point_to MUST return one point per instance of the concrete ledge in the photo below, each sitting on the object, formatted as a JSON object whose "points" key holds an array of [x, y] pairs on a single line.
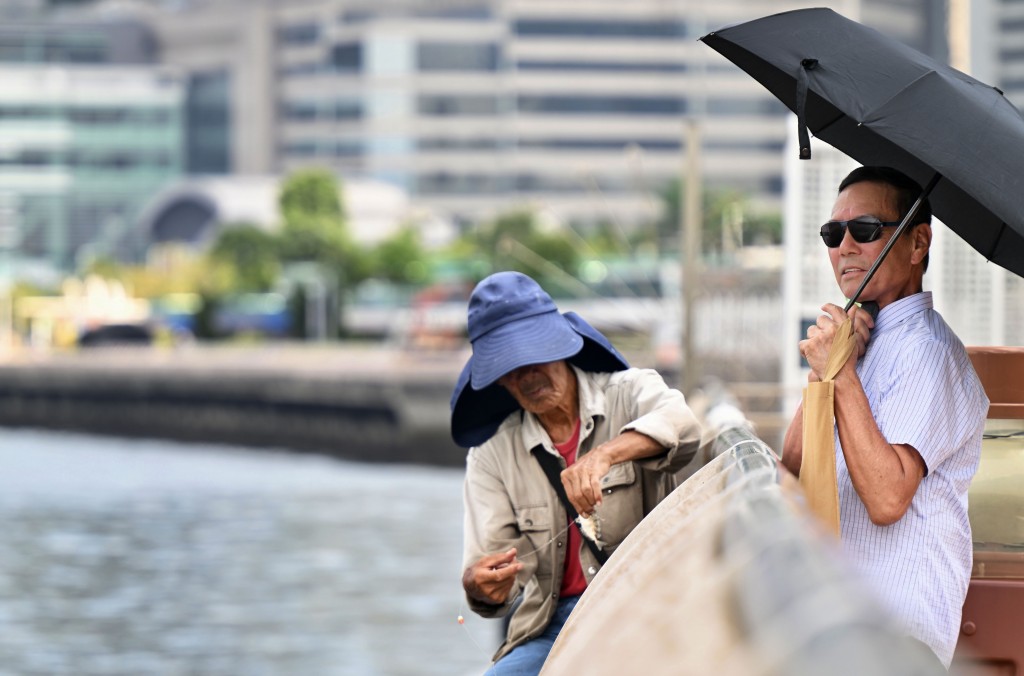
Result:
{"points": [[355, 405]]}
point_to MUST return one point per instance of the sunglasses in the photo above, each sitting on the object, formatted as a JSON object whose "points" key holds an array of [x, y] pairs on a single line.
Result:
{"points": [[864, 229]]}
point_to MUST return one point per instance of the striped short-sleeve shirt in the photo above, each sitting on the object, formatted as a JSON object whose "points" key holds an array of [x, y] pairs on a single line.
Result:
{"points": [[923, 392]]}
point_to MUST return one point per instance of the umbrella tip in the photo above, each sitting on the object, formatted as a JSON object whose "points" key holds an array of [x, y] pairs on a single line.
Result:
{"points": [[805, 153]]}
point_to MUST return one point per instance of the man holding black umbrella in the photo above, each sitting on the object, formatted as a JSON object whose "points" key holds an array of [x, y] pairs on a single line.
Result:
{"points": [[909, 411]]}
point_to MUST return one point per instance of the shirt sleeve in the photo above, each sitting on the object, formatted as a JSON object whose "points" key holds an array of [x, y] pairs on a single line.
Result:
{"points": [[489, 522], [662, 414]]}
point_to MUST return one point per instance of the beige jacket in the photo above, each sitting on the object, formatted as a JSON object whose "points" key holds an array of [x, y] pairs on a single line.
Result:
{"points": [[509, 502]]}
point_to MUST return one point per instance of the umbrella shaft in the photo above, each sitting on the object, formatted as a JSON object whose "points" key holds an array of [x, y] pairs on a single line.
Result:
{"points": [[892, 240]]}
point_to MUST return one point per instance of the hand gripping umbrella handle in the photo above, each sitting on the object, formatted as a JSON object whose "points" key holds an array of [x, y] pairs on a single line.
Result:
{"points": [[892, 240]]}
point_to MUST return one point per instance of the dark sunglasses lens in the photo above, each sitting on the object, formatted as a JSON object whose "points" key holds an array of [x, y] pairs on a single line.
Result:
{"points": [[832, 233], [865, 231]]}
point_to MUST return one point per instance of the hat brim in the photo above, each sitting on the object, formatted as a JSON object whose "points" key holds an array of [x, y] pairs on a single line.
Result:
{"points": [[477, 413], [539, 339]]}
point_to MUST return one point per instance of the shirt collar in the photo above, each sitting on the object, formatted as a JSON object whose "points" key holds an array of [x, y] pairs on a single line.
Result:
{"points": [[899, 311], [592, 405]]}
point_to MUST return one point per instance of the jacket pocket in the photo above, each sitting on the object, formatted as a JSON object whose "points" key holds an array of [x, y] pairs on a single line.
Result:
{"points": [[622, 474], [534, 524], [621, 504], [533, 519]]}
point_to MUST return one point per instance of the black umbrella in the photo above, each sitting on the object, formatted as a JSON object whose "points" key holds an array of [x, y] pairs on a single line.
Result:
{"points": [[883, 103]]}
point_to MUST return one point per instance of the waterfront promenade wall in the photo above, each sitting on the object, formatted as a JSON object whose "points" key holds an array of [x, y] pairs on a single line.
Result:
{"points": [[369, 404]]}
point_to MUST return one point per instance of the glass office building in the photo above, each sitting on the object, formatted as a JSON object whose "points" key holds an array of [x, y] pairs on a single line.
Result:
{"points": [[90, 130], [575, 107], [82, 148]]}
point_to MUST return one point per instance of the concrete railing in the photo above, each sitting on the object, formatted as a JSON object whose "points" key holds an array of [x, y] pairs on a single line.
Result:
{"points": [[731, 575]]}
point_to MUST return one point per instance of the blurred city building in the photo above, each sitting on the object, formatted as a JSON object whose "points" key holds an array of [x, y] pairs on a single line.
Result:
{"points": [[82, 148], [193, 209], [987, 41], [477, 106], [90, 128]]}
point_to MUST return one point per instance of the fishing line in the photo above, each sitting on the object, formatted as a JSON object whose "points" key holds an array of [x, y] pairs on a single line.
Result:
{"points": [[462, 619]]}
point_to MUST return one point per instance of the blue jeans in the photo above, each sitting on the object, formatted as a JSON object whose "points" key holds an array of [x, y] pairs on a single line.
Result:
{"points": [[528, 658]]}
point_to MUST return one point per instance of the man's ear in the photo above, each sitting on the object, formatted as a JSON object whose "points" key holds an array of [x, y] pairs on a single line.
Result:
{"points": [[921, 241]]}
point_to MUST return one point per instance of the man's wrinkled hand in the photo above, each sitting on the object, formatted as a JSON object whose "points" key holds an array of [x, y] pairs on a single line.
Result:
{"points": [[816, 347], [491, 578], [582, 481]]}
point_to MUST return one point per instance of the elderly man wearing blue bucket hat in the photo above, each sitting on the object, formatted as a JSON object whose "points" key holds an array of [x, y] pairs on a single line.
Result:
{"points": [[560, 430]]}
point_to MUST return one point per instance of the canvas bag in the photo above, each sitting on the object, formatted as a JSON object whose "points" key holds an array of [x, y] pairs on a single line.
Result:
{"points": [[818, 465]]}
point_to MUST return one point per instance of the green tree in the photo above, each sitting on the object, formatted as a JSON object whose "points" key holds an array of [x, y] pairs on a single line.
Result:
{"points": [[720, 209], [252, 255], [315, 229], [401, 257], [311, 193], [515, 241]]}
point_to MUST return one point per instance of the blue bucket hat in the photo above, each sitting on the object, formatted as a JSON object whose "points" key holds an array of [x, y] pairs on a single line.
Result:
{"points": [[512, 323]]}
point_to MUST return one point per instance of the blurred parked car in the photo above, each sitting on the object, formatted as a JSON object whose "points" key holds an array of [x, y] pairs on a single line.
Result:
{"points": [[116, 334]]}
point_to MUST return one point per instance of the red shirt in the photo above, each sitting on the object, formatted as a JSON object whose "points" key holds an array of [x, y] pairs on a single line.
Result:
{"points": [[573, 581]]}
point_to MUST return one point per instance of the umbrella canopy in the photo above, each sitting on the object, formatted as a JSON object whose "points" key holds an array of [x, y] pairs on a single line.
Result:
{"points": [[883, 103]]}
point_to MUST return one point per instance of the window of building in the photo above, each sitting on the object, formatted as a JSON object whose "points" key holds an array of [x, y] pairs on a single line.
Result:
{"points": [[603, 66], [744, 146], [306, 148], [346, 109], [568, 184], [599, 144], [457, 56], [208, 123], [32, 47], [448, 143], [451, 105], [26, 113], [302, 69], [603, 105], [301, 149], [299, 34], [460, 12], [460, 184], [1011, 55], [75, 49], [757, 106], [348, 149], [98, 116], [668, 28], [300, 111], [1011, 25], [347, 57]]}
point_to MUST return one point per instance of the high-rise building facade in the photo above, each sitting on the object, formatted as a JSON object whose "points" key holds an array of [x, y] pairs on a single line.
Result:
{"points": [[90, 129], [575, 107], [82, 148]]}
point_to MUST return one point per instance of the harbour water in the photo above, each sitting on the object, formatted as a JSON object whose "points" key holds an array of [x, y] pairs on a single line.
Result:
{"points": [[152, 557]]}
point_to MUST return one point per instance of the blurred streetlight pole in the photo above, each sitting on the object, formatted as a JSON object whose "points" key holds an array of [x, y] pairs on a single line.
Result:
{"points": [[690, 244]]}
